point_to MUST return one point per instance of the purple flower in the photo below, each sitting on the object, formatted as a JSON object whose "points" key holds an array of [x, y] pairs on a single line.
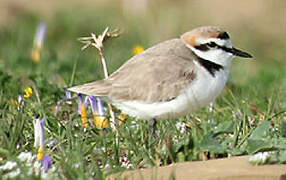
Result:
{"points": [[96, 105], [47, 163], [21, 99], [81, 103], [68, 94], [98, 112], [40, 35], [100, 107], [20, 102], [39, 132], [42, 131], [93, 104]]}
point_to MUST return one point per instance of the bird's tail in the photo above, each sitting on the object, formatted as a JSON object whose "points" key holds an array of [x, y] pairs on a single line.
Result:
{"points": [[96, 88]]}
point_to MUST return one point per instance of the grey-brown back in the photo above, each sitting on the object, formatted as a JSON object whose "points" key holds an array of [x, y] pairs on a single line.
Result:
{"points": [[156, 75]]}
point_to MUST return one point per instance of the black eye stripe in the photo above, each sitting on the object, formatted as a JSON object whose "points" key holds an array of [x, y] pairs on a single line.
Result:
{"points": [[202, 47], [210, 45], [206, 46]]}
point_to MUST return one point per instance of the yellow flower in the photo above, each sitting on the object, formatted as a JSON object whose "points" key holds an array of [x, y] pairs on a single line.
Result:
{"points": [[35, 55], [82, 110], [98, 112], [100, 122], [40, 154], [122, 119], [105, 123], [28, 92], [137, 49], [84, 117]]}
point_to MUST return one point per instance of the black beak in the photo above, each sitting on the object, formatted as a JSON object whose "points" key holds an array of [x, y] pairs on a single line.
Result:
{"points": [[240, 53]]}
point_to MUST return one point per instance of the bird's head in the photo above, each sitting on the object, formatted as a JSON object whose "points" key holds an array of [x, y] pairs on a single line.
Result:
{"points": [[213, 44]]}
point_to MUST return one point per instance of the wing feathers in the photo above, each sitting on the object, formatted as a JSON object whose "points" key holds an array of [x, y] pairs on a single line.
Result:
{"points": [[158, 74]]}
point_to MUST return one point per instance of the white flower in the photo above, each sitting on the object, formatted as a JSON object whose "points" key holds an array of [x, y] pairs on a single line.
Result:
{"points": [[26, 157], [49, 174], [8, 166], [43, 168], [37, 167], [77, 165], [125, 162], [181, 127], [12, 174]]}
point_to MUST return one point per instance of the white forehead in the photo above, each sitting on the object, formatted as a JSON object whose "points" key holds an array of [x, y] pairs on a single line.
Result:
{"points": [[220, 42]]}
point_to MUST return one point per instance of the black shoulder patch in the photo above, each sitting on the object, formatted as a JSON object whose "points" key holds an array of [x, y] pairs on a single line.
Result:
{"points": [[210, 66], [223, 35]]}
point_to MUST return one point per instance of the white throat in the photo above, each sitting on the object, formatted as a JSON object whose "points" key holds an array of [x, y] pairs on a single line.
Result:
{"points": [[216, 55]]}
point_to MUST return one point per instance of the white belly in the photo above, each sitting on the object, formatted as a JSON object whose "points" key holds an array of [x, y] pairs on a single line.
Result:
{"points": [[202, 91]]}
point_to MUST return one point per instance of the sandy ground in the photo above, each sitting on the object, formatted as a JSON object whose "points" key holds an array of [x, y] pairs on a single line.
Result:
{"points": [[223, 169]]}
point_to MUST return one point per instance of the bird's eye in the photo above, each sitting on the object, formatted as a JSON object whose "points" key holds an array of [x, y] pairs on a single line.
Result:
{"points": [[211, 44], [206, 46]]}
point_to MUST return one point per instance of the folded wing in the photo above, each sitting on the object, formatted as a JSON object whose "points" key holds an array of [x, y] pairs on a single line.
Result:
{"points": [[158, 74]]}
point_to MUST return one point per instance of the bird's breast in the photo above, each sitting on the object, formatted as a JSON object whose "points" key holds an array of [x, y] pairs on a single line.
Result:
{"points": [[206, 87]]}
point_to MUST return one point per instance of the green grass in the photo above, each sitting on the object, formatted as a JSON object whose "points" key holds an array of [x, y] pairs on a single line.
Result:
{"points": [[248, 117]]}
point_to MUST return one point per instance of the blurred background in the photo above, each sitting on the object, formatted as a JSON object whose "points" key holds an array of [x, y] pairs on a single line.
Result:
{"points": [[256, 26]]}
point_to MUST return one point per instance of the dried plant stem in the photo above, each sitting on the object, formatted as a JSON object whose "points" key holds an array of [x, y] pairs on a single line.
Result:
{"points": [[97, 42], [106, 74], [112, 120], [103, 61]]}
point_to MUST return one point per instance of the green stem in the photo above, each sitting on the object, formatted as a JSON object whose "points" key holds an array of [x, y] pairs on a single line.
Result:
{"points": [[73, 72]]}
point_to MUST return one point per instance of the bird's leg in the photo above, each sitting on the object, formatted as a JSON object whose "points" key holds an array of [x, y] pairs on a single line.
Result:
{"points": [[211, 106], [153, 126]]}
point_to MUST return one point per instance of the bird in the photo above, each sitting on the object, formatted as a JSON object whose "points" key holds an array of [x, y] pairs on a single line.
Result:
{"points": [[170, 79]]}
